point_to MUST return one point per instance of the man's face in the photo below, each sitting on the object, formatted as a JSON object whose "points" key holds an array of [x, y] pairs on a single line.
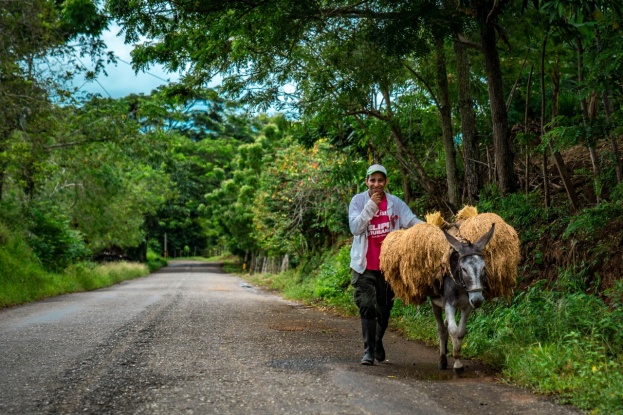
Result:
{"points": [[376, 183]]}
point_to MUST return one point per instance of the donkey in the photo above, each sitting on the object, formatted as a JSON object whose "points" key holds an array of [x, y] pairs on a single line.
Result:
{"points": [[461, 289]]}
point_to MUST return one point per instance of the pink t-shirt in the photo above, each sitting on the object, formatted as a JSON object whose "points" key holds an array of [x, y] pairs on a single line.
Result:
{"points": [[378, 228]]}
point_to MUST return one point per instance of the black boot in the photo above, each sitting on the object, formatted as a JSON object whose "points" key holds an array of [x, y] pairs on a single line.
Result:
{"points": [[368, 329], [379, 350]]}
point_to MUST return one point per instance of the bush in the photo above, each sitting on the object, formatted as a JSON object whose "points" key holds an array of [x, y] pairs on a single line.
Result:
{"points": [[332, 280], [22, 278], [52, 239], [155, 261]]}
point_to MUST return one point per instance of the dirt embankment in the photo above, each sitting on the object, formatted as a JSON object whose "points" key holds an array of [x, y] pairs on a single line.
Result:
{"points": [[598, 246]]}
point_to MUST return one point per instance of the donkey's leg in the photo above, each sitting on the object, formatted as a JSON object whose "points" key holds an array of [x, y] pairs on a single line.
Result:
{"points": [[453, 330], [442, 333], [457, 333]]}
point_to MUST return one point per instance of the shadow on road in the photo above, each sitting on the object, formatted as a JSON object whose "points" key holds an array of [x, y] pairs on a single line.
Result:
{"points": [[175, 267]]}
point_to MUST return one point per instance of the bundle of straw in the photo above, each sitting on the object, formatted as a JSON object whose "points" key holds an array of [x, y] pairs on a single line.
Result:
{"points": [[411, 260], [502, 253]]}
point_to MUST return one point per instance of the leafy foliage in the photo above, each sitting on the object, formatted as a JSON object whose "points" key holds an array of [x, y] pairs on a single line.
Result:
{"points": [[333, 279], [589, 223], [53, 240], [302, 202], [568, 344]]}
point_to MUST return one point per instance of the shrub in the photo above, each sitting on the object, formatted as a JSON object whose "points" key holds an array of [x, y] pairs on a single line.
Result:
{"points": [[333, 277], [155, 261], [52, 239]]}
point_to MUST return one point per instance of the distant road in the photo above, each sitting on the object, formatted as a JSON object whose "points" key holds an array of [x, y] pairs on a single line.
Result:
{"points": [[191, 339]]}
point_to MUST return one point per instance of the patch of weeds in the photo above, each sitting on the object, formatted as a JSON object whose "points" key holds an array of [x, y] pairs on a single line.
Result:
{"points": [[567, 343], [589, 223], [415, 322], [524, 215], [574, 279]]}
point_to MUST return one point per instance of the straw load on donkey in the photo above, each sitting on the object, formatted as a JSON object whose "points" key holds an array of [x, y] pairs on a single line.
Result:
{"points": [[456, 265]]}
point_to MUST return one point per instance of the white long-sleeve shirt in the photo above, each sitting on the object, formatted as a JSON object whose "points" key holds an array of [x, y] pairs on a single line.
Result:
{"points": [[361, 210]]}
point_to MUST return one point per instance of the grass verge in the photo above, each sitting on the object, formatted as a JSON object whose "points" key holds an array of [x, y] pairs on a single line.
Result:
{"points": [[30, 282]]}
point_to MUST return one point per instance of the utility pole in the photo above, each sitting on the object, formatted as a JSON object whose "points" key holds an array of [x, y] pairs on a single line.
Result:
{"points": [[165, 246]]}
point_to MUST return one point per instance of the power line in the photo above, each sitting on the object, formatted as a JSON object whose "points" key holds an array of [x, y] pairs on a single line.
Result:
{"points": [[102, 86], [95, 79], [147, 72]]}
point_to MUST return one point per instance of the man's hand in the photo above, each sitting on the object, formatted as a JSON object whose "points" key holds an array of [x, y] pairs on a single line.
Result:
{"points": [[377, 197]]}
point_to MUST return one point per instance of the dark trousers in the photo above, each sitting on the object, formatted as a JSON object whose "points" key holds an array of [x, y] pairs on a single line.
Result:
{"points": [[373, 296]]}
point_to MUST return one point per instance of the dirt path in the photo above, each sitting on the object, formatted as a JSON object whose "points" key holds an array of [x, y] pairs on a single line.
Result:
{"points": [[190, 339]]}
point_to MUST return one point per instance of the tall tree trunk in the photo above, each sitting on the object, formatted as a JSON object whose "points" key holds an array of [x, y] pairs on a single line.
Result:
{"points": [[504, 157], [471, 155], [546, 196], [586, 116], [558, 160], [592, 150], [608, 110], [580, 52], [406, 186], [445, 112], [525, 130]]}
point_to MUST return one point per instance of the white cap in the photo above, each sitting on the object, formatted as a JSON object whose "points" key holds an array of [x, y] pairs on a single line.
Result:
{"points": [[376, 168]]}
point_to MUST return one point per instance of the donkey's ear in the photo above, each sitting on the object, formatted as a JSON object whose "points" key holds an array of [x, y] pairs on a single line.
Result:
{"points": [[484, 239], [452, 241]]}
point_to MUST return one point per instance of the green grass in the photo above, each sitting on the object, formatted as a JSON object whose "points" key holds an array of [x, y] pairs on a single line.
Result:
{"points": [[569, 344], [30, 282], [415, 322], [24, 279]]}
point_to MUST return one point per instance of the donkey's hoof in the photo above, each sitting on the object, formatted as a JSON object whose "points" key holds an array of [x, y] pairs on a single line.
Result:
{"points": [[443, 363], [459, 370]]}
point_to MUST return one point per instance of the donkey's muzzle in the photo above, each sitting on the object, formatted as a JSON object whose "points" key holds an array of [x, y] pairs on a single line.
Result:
{"points": [[476, 299]]}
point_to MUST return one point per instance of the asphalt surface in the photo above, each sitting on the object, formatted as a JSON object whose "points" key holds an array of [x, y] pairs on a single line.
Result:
{"points": [[190, 339]]}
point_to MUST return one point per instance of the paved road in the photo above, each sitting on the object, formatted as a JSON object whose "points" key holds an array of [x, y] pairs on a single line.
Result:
{"points": [[192, 340]]}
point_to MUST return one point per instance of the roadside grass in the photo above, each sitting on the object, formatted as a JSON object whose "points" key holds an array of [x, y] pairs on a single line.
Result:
{"points": [[30, 282], [556, 342], [326, 287], [23, 278]]}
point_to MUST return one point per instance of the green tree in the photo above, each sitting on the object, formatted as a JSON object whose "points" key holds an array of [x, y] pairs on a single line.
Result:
{"points": [[33, 34]]}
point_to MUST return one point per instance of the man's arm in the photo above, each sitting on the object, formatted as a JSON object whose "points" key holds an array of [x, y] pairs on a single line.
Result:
{"points": [[360, 213]]}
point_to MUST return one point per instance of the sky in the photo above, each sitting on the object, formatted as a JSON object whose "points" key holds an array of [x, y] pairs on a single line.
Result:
{"points": [[121, 80]]}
